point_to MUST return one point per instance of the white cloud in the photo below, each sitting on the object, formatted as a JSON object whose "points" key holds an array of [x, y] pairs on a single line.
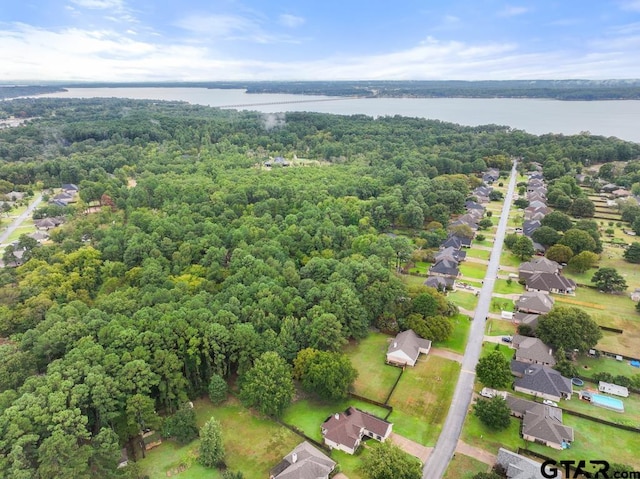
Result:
{"points": [[630, 5], [291, 21], [512, 11], [99, 4]]}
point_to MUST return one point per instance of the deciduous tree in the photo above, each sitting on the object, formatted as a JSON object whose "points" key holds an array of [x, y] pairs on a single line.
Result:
{"points": [[493, 370], [609, 280], [268, 385], [494, 412], [583, 261], [569, 328], [388, 461]]}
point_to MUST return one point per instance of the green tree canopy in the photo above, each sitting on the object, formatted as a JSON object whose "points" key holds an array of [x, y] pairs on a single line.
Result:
{"points": [[545, 235], [329, 375], [493, 370], [569, 328], [523, 248], [388, 461], [559, 253], [582, 208], [578, 240], [609, 280], [211, 447], [583, 261], [494, 412], [557, 220], [632, 253], [268, 385], [217, 389]]}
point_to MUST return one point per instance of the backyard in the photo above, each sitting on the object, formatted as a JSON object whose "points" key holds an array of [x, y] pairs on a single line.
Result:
{"points": [[421, 399], [464, 467]]}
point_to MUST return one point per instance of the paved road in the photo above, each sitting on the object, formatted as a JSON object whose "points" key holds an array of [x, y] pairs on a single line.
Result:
{"points": [[436, 465], [18, 221]]}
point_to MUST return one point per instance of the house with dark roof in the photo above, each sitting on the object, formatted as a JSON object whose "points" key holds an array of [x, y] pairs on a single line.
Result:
{"points": [[545, 382], [609, 188], [550, 283], [406, 347], [450, 253], [529, 226], [530, 210], [535, 175], [304, 462], [538, 265], [539, 248], [542, 424], [440, 283], [516, 466], [457, 242], [70, 188], [344, 431], [537, 195], [446, 267], [482, 191], [535, 302], [621, 193], [532, 351], [472, 205], [529, 319]]}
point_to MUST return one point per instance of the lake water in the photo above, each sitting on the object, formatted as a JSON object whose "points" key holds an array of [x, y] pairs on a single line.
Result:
{"points": [[608, 118]]}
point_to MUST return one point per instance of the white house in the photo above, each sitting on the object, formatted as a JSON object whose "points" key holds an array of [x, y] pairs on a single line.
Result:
{"points": [[613, 389], [406, 347]]}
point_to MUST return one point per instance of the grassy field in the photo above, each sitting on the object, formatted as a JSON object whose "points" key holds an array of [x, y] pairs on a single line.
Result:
{"points": [[309, 414], [630, 416], [616, 311], [594, 440], [464, 299], [478, 253], [506, 351], [421, 267], [458, 340], [375, 378], [500, 327], [502, 286], [501, 304], [473, 270], [508, 259], [421, 399], [477, 434], [590, 366], [464, 467], [268, 443]]}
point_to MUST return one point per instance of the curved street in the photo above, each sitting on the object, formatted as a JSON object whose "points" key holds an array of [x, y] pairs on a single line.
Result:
{"points": [[18, 221], [436, 465]]}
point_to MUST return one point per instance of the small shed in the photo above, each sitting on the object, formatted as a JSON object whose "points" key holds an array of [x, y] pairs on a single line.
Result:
{"points": [[613, 389], [506, 315]]}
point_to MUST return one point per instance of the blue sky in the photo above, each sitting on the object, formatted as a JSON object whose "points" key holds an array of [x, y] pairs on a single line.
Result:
{"points": [[191, 40]]}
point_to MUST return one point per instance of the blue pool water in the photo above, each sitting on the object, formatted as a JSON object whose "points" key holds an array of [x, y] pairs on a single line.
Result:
{"points": [[607, 402]]}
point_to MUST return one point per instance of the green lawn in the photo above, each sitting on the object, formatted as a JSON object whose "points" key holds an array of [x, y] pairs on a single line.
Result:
{"points": [[473, 270], [590, 366], [375, 378], [478, 253], [506, 351], [458, 340], [309, 414], [500, 327], [464, 467], [594, 440], [421, 267], [268, 443], [477, 434], [464, 299], [421, 399], [508, 259], [502, 286], [481, 243], [501, 304], [630, 416]]}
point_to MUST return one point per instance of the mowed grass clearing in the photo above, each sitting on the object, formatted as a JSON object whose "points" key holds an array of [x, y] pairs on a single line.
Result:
{"points": [[473, 270], [464, 467], [422, 398], [464, 299], [500, 327], [253, 444], [375, 377], [458, 339], [478, 253]]}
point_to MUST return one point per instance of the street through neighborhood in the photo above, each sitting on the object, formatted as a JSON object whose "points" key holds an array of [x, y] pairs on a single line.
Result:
{"points": [[436, 465]]}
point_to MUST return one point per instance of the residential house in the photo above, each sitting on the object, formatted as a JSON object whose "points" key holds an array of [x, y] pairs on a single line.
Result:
{"points": [[528, 319], [472, 205], [550, 283], [529, 210], [440, 283], [467, 220], [304, 462], [482, 191], [538, 265], [535, 302], [609, 188], [406, 347], [516, 466], [542, 381], [446, 267], [344, 431], [529, 226], [621, 193], [457, 242], [532, 351], [39, 236], [539, 248], [450, 253], [542, 424], [536, 216], [70, 188], [518, 405], [537, 204], [535, 175]]}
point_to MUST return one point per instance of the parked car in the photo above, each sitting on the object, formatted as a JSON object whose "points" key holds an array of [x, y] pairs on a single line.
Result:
{"points": [[507, 339], [549, 402]]}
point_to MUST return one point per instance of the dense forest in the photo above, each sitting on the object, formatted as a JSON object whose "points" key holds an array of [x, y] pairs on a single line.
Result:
{"points": [[14, 91], [201, 259]]}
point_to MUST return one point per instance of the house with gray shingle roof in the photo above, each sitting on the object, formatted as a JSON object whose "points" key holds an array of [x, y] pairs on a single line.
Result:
{"points": [[550, 283], [533, 351], [518, 467], [304, 462], [529, 226], [439, 282], [530, 319], [543, 425], [538, 265], [535, 302], [450, 253], [344, 431], [543, 381], [406, 348], [446, 267]]}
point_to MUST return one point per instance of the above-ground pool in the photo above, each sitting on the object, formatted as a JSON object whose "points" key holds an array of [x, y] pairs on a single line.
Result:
{"points": [[607, 402], [577, 381]]}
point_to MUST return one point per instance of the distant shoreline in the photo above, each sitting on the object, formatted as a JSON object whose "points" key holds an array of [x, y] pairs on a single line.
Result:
{"points": [[565, 90]]}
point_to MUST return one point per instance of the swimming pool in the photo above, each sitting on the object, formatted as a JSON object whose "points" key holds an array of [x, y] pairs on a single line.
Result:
{"points": [[607, 402]]}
